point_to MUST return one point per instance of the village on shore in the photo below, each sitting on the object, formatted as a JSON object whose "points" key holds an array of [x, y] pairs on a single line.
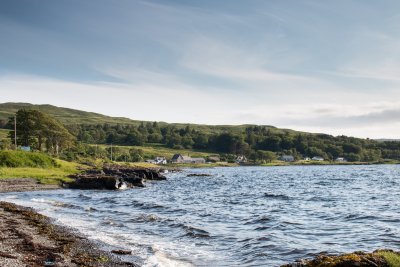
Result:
{"points": [[239, 159]]}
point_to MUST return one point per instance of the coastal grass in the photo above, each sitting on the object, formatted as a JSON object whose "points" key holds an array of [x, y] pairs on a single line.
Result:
{"points": [[44, 175], [392, 258], [11, 158]]}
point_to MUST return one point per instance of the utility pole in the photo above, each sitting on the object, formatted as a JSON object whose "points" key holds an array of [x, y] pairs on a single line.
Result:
{"points": [[15, 132]]}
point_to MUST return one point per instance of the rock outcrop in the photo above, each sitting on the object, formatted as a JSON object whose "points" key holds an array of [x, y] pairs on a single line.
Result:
{"points": [[114, 177], [379, 258]]}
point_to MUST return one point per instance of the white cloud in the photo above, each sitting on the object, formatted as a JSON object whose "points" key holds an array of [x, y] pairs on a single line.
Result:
{"points": [[171, 100]]}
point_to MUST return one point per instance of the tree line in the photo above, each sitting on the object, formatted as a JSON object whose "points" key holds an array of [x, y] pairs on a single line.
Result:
{"points": [[44, 133], [252, 141]]}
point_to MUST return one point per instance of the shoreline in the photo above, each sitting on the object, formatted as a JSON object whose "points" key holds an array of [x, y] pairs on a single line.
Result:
{"points": [[9, 185], [31, 239]]}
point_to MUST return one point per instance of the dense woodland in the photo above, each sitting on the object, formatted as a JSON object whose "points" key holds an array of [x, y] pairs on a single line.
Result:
{"points": [[43, 132], [251, 140]]}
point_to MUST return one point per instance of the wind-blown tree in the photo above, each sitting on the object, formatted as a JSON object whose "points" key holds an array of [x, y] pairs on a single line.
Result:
{"points": [[26, 127], [36, 129]]}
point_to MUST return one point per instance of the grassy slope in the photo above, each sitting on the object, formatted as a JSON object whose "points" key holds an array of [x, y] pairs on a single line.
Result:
{"points": [[72, 116], [65, 115], [392, 258], [44, 175]]}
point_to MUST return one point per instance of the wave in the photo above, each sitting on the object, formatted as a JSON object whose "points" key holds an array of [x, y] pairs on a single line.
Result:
{"points": [[276, 196]]}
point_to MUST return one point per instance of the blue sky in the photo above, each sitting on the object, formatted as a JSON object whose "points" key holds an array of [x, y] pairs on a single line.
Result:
{"points": [[320, 66]]}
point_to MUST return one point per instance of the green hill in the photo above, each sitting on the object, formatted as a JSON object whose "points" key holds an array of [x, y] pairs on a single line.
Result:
{"points": [[250, 140], [70, 116], [65, 115]]}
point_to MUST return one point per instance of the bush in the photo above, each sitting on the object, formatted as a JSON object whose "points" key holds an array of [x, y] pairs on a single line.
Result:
{"points": [[26, 159]]}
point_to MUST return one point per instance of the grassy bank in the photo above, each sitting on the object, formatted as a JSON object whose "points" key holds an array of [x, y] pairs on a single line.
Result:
{"points": [[47, 170]]}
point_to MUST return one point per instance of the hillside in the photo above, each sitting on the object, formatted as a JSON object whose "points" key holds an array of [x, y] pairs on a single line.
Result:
{"points": [[65, 115], [256, 142], [72, 116]]}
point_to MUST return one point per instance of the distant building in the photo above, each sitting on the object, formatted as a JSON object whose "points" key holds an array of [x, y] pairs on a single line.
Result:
{"points": [[157, 160], [241, 159], [287, 158], [307, 158], [25, 148], [178, 158], [318, 158], [340, 159], [198, 160], [214, 159]]}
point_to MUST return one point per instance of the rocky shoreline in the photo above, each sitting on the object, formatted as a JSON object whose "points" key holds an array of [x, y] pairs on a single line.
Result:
{"points": [[24, 184], [30, 239]]}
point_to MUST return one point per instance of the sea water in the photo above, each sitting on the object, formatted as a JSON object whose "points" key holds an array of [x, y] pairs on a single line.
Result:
{"points": [[238, 216]]}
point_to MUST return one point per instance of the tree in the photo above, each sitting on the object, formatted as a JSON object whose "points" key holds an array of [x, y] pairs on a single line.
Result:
{"points": [[35, 128], [26, 127], [268, 156]]}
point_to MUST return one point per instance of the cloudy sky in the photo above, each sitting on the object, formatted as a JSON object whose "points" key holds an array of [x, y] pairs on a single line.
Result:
{"points": [[319, 66]]}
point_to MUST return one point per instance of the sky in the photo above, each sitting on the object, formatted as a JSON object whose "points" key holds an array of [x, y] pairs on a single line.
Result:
{"points": [[320, 66]]}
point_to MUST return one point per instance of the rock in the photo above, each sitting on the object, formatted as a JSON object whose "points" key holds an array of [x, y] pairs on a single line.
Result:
{"points": [[100, 182], [122, 252], [356, 259], [198, 174], [114, 177]]}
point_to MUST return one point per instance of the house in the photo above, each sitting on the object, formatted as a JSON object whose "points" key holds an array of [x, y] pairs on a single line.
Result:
{"points": [[241, 159], [160, 160], [25, 148], [340, 159], [214, 159], [198, 160], [287, 158], [178, 158], [157, 160], [318, 158], [306, 159]]}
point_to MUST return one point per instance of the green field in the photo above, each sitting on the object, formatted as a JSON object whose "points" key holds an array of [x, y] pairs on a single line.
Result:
{"points": [[52, 175], [40, 166]]}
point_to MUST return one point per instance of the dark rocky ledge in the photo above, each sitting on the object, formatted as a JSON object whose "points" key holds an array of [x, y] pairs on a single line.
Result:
{"points": [[114, 177]]}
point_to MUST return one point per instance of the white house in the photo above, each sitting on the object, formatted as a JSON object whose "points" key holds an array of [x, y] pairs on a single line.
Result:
{"points": [[340, 159], [178, 158], [157, 160], [241, 159], [287, 158], [318, 158]]}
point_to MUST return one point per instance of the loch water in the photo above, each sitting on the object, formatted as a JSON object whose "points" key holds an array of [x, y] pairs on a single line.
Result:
{"points": [[238, 216]]}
